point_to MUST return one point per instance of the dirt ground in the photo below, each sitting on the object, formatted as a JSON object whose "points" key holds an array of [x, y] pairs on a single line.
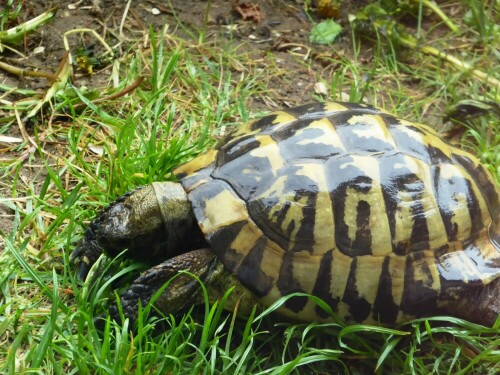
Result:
{"points": [[276, 33], [280, 27]]}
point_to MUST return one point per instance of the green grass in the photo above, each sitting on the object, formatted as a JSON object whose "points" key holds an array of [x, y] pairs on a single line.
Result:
{"points": [[192, 94], [9, 13]]}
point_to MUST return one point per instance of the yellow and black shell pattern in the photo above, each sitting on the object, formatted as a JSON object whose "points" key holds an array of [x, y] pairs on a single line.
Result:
{"points": [[375, 215]]}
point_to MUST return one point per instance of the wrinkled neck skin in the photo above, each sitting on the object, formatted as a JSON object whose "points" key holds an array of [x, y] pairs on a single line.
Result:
{"points": [[478, 305], [180, 225]]}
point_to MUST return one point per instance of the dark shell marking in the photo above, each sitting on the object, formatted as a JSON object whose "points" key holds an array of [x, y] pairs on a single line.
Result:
{"points": [[371, 213]]}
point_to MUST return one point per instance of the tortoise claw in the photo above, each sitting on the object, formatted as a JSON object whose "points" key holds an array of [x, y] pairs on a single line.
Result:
{"points": [[86, 254], [100, 322], [82, 271]]}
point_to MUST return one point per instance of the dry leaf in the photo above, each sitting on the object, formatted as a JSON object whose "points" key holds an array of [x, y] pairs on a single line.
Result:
{"points": [[320, 88], [248, 11]]}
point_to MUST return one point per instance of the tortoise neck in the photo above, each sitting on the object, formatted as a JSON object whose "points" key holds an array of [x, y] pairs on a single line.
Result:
{"points": [[180, 224]]}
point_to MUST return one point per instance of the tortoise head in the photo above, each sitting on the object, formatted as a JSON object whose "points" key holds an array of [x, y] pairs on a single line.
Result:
{"points": [[154, 222]]}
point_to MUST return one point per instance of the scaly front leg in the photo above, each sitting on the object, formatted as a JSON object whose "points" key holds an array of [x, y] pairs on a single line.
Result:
{"points": [[183, 290]]}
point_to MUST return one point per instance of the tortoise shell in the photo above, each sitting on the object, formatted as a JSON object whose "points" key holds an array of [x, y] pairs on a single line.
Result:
{"points": [[376, 215]]}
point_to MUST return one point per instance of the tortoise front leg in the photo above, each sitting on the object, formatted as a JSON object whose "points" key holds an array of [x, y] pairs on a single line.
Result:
{"points": [[183, 290]]}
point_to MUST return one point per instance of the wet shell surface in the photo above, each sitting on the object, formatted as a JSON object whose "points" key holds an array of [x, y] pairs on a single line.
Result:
{"points": [[376, 215]]}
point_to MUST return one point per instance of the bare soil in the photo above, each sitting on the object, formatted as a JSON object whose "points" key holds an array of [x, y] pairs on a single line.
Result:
{"points": [[277, 28], [283, 29], [277, 32]]}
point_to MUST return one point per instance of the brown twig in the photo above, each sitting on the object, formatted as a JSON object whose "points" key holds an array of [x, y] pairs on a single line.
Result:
{"points": [[23, 72]]}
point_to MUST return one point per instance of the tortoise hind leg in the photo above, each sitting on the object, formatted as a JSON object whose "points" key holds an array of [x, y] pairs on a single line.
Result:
{"points": [[479, 304]]}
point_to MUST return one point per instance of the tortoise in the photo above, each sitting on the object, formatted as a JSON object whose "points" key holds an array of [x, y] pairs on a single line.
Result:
{"points": [[377, 216]]}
